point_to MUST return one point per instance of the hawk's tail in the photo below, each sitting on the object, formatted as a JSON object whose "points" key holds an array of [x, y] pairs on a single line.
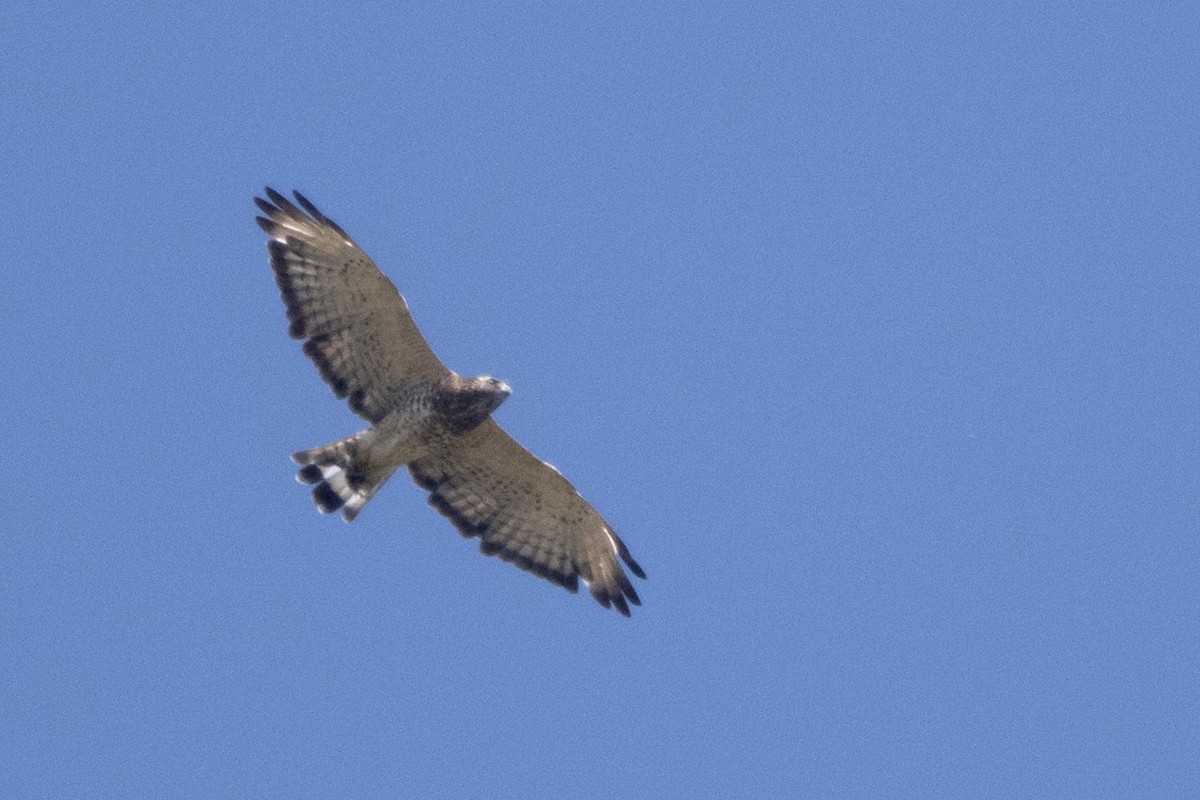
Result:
{"points": [[342, 478]]}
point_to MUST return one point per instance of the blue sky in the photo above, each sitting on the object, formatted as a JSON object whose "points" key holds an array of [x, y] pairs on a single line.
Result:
{"points": [[872, 328]]}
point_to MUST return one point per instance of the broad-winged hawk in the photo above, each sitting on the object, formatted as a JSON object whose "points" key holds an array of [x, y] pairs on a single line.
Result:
{"points": [[358, 332]]}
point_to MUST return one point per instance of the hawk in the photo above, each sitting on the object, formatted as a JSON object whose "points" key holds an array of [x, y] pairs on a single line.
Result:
{"points": [[359, 333]]}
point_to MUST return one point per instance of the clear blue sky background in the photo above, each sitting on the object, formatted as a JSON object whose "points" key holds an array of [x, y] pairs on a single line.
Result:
{"points": [[872, 328]]}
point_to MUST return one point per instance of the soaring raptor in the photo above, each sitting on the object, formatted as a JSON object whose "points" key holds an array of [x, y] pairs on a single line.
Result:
{"points": [[437, 423]]}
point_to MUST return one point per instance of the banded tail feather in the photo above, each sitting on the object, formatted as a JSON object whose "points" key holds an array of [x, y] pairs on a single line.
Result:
{"points": [[339, 476]]}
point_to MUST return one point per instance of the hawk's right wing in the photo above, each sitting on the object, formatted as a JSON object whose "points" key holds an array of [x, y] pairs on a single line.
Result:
{"points": [[360, 334], [525, 512]]}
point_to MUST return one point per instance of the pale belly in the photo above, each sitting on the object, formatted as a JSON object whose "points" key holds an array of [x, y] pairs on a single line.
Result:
{"points": [[403, 436]]}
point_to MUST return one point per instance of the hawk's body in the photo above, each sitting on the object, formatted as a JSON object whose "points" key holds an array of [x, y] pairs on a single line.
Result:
{"points": [[366, 346]]}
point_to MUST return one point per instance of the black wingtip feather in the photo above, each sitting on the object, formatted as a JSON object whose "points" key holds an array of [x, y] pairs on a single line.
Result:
{"points": [[623, 552], [282, 205], [312, 210], [279, 204], [627, 588], [307, 205], [275, 197], [316, 214]]}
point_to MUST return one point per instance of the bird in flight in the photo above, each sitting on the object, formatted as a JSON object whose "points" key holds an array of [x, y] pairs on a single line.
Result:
{"points": [[357, 330]]}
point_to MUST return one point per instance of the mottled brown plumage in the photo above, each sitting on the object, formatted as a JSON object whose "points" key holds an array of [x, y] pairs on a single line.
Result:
{"points": [[367, 348]]}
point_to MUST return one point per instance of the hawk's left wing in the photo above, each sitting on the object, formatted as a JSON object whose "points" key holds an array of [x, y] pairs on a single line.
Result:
{"points": [[360, 334], [525, 512]]}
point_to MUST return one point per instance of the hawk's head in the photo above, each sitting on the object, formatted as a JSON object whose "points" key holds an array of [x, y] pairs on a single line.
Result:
{"points": [[466, 402]]}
